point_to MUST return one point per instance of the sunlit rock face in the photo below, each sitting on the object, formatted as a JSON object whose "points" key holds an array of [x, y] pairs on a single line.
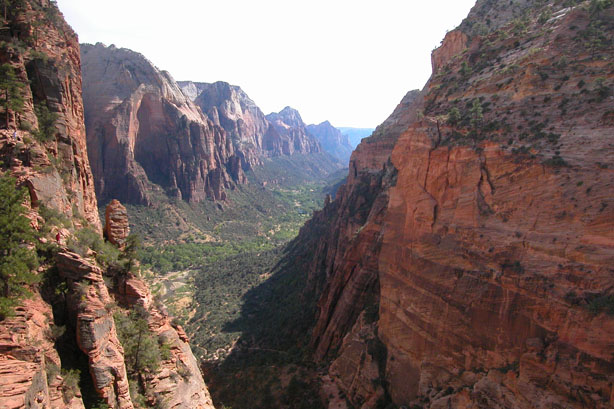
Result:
{"points": [[291, 133], [143, 130], [488, 248]]}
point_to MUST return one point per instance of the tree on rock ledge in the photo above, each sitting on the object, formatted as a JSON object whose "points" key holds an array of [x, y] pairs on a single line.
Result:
{"points": [[17, 258], [10, 89]]}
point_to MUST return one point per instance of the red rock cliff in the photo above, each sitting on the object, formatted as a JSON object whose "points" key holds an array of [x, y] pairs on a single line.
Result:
{"points": [[489, 255], [44, 53], [142, 130]]}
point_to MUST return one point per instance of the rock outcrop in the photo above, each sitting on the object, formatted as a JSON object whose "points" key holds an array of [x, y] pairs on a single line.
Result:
{"points": [[332, 140], [485, 244], [116, 226], [254, 135], [292, 136], [143, 131], [178, 379], [89, 303], [49, 158], [29, 363]]}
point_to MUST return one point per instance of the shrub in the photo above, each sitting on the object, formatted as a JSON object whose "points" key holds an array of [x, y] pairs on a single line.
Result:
{"points": [[17, 257], [46, 123], [70, 386]]}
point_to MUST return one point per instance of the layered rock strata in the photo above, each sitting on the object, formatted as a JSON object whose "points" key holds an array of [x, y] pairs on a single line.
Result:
{"points": [[490, 258], [332, 140], [50, 158], [116, 226], [89, 303], [143, 131]]}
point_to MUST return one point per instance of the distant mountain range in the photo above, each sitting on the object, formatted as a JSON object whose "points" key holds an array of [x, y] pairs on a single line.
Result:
{"points": [[355, 135]]}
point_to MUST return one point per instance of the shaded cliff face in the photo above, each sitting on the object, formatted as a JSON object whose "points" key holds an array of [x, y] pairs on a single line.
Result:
{"points": [[492, 253], [332, 140], [291, 133], [143, 130]]}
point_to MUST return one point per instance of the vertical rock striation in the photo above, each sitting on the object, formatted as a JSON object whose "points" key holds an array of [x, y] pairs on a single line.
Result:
{"points": [[487, 250], [143, 131], [332, 140]]}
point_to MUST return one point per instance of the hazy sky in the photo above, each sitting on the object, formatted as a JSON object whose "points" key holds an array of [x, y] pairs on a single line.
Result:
{"points": [[349, 62]]}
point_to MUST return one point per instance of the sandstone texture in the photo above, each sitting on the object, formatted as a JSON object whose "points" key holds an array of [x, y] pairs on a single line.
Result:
{"points": [[485, 243], [55, 169], [254, 135], [116, 226], [144, 132], [292, 135], [178, 379], [332, 140], [89, 302], [26, 356]]}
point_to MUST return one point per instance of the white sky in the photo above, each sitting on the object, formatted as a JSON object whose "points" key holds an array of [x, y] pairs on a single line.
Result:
{"points": [[348, 61]]}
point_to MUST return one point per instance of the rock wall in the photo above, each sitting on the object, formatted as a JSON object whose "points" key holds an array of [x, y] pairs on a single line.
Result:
{"points": [[44, 53], [89, 303], [29, 374], [254, 135], [143, 131], [332, 140], [488, 255], [291, 133]]}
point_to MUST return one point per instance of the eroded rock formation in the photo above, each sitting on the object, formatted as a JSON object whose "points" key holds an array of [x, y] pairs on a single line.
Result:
{"points": [[52, 162], [29, 363], [292, 133], [116, 226], [332, 140], [89, 304], [254, 135], [487, 251], [143, 131]]}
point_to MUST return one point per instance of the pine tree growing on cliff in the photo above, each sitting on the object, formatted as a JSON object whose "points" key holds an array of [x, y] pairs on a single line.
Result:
{"points": [[11, 89], [17, 259]]}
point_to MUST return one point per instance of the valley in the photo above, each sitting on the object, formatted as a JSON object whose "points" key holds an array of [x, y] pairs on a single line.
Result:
{"points": [[167, 244]]}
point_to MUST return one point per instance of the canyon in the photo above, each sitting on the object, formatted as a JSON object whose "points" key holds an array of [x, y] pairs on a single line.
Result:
{"points": [[464, 260]]}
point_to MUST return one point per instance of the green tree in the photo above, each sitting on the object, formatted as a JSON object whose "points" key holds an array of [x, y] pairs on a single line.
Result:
{"points": [[141, 347], [454, 116], [476, 114], [11, 89], [46, 122], [17, 258]]}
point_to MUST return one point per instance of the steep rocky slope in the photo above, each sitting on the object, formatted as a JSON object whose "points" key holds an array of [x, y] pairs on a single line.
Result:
{"points": [[254, 135], [142, 130], [483, 249], [60, 348], [332, 140], [293, 134]]}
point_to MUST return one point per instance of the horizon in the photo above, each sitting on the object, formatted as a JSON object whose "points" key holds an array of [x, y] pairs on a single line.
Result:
{"points": [[349, 63]]}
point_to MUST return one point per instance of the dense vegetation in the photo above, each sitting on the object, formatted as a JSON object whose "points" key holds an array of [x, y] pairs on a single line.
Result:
{"points": [[218, 267]]}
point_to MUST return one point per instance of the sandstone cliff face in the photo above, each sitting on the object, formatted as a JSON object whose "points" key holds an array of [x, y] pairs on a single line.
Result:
{"points": [[253, 134], [292, 136], [116, 227], [27, 359], [491, 253], [44, 53], [142, 130], [229, 107], [88, 303], [332, 140], [178, 380]]}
